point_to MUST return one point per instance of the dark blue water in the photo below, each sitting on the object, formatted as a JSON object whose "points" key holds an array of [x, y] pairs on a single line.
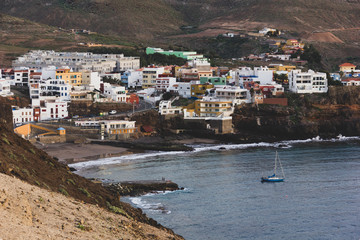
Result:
{"points": [[224, 198]]}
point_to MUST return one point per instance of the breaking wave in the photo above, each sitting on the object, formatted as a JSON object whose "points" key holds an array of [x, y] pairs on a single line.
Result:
{"points": [[207, 147]]}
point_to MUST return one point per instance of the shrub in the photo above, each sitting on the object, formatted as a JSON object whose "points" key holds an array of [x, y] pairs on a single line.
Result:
{"points": [[63, 191], [84, 191]]}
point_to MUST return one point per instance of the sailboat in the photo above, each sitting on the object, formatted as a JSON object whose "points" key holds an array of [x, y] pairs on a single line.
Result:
{"points": [[275, 177]]}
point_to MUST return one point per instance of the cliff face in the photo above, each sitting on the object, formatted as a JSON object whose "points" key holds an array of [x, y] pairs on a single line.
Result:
{"points": [[327, 115]]}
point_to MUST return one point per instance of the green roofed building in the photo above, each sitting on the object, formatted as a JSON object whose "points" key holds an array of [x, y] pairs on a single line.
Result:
{"points": [[181, 54], [213, 80]]}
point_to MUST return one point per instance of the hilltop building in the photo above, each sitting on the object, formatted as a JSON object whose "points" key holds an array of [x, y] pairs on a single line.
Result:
{"points": [[101, 63], [181, 54]]}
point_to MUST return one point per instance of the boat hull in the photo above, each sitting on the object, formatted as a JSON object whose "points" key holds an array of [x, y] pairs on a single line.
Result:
{"points": [[265, 179]]}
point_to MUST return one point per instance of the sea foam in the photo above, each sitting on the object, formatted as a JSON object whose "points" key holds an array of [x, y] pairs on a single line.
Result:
{"points": [[205, 147]]}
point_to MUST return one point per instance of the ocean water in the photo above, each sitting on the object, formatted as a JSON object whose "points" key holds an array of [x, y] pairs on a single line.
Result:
{"points": [[224, 198]]}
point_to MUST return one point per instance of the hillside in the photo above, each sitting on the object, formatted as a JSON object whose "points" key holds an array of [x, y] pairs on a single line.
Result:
{"points": [[332, 26], [138, 19], [19, 158], [18, 35], [35, 213]]}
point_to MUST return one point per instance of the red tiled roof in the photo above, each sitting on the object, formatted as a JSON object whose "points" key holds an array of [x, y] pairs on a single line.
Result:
{"points": [[347, 65], [350, 79]]}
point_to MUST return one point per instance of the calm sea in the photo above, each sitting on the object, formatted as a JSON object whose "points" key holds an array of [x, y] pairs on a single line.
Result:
{"points": [[224, 198]]}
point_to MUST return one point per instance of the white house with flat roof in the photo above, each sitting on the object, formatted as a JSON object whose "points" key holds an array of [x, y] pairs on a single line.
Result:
{"points": [[307, 82]]}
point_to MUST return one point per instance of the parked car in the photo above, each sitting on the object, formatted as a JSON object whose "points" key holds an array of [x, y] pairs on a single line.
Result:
{"points": [[76, 116], [112, 112]]}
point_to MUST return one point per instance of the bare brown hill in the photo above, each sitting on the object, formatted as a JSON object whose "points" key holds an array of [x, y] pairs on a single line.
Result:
{"points": [[19, 158]]}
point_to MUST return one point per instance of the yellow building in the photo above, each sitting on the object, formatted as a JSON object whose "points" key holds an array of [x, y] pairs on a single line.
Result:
{"points": [[280, 67], [199, 90], [213, 107], [71, 78], [347, 67]]}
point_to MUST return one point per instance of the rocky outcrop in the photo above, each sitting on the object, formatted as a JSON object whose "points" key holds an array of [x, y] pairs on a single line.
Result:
{"points": [[325, 115]]}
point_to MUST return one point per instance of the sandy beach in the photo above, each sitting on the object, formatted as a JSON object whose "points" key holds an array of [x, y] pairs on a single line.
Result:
{"points": [[71, 152]]}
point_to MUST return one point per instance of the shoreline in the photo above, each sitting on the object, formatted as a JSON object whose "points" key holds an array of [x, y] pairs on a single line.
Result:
{"points": [[69, 153], [65, 152]]}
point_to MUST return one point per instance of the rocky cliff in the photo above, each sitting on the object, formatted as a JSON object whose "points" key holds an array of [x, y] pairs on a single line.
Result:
{"points": [[325, 115]]}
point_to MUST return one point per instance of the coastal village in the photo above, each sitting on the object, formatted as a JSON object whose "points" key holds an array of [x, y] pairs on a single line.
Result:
{"points": [[196, 92]]}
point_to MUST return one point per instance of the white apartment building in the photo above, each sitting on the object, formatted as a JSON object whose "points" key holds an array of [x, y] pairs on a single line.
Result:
{"points": [[165, 108], [101, 63], [21, 77], [53, 109], [236, 94], [49, 89], [116, 93], [22, 115], [91, 79], [134, 78], [307, 82], [261, 75], [164, 83], [181, 88], [5, 90], [150, 74]]}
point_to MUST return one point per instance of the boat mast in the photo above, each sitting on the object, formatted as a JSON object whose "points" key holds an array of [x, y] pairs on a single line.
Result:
{"points": [[276, 156], [282, 170]]}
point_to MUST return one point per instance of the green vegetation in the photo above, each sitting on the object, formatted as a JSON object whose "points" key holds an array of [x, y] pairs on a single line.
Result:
{"points": [[117, 210], [313, 57], [32, 151], [112, 81], [63, 191], [84, 191], [71, 181], [6, 141]]}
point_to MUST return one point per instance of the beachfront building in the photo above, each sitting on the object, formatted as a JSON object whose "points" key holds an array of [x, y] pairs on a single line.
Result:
{"points": [[213, 107], [118, 129], [307, 82], [149, 76], [115, 93], [237, 95], [102, 63]]}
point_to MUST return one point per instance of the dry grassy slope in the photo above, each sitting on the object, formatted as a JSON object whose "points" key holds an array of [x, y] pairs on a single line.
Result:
{"points": [[35, 213], [18, 35], [137, 18], [21, 159]]}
